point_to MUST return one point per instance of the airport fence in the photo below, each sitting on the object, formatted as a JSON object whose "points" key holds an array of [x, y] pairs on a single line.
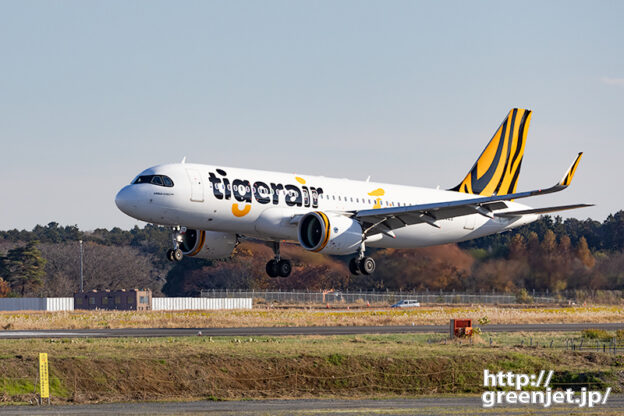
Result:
{"points": [[364, 298]]}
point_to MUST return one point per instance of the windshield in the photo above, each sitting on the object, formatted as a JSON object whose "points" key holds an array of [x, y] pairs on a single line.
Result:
{"points": [[160, 180]]}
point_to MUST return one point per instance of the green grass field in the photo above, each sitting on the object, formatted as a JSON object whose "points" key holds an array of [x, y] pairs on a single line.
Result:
{"points": [[364, 366]]}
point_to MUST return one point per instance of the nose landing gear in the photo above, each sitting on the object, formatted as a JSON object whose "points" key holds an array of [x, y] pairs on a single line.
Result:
{"points": [[175, 254], [278, 266]]}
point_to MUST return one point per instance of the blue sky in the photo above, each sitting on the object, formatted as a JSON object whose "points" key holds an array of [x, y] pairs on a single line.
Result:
{"points": [[409, 92]]}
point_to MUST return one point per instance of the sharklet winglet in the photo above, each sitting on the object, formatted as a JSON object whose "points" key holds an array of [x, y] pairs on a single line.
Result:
{"points": [[567, 178]]}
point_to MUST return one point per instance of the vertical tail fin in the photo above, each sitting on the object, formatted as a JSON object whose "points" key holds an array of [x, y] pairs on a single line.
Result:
{"points": [[497, 169]]}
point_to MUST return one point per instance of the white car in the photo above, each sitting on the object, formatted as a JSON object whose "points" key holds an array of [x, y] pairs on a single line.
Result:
{"points": [[406, 304]]}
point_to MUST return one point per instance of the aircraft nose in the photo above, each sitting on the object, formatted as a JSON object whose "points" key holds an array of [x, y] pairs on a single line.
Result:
{"points": [[126, 200]]}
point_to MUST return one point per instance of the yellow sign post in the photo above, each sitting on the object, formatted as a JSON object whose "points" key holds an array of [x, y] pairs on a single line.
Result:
{"points": [[44, 385]]}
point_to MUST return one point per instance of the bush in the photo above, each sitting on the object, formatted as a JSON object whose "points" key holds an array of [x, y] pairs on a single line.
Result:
{"points": [[599, 334], [484, 321], [522, 296]]}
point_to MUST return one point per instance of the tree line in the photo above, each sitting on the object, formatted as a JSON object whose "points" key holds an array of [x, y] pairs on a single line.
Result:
{"points": [[549, 254]]}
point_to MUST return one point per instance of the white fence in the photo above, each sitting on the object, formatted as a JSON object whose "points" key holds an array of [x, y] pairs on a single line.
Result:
{"points": [[37, 304], [158, 304], [179, 304]]}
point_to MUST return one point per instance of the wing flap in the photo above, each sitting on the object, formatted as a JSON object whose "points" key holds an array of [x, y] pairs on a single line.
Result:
{"points": [[544, 210]]}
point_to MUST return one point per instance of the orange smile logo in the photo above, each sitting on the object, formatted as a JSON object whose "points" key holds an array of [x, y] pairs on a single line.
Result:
{"points": [[240, 212]]}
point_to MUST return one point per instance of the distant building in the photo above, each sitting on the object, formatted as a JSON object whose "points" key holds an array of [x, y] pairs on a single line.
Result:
{"points": [[120, 300]]}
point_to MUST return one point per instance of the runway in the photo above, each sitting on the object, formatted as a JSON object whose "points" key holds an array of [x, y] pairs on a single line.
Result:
{"points": [[292, 331], [461, 405]]}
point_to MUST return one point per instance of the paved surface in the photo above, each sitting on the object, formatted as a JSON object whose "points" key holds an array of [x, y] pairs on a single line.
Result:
{"points": [[285, 331], [421, 406]]}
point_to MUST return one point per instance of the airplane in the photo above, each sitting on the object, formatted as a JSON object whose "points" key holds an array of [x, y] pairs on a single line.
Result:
{"points": [[210, 209]]}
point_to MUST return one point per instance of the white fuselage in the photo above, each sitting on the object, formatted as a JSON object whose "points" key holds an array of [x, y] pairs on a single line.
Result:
{"points": [[264, 204]]}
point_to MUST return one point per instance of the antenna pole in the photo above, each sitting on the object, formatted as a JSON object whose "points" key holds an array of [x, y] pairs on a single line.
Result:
{"points": [[81, 269]]}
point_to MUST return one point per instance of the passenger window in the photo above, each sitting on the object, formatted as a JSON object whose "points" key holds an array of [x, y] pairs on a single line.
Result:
{"points": [[156, 180]]}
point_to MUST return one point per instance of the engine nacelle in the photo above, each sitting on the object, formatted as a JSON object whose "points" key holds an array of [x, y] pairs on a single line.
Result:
{"points": [[331, 234], [207, 245]]}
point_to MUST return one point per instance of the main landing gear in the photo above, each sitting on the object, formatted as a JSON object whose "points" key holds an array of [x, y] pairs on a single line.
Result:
{"points": [[361, 263], [175, 254], [278, 266]]}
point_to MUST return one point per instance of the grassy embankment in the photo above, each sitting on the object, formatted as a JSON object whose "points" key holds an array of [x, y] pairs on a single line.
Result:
{"points": [[438, 315], [366, 366]]}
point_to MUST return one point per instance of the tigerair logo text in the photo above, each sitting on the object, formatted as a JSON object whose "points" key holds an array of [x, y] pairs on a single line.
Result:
{"points": [[243, 191]]}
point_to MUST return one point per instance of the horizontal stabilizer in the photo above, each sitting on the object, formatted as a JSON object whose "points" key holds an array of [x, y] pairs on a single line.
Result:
{"points": [[544, 210]]}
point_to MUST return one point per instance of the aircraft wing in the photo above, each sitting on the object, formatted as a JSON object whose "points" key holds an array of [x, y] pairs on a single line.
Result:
{"points": [[384, 220]]}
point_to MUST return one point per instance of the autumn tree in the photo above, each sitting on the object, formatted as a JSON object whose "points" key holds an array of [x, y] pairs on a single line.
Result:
{"points": [[5, 289], [584, 254]]}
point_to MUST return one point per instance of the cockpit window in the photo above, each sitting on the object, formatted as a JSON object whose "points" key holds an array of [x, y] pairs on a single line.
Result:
{"points": [[167, 181], [159, 180]]}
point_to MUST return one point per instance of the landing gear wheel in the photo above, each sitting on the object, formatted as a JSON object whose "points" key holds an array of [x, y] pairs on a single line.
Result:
{"points": [[177, 254], [272, 268], [170, 255], [354, 266], [367, 265], [284, 268]]}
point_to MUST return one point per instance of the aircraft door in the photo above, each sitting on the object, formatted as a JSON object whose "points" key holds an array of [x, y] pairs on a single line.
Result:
{"points": [[197, 188], [306, 197]]}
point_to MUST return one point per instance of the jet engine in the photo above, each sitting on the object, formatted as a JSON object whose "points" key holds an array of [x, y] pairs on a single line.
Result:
{"points": [[207, 245], [329, 233]]}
